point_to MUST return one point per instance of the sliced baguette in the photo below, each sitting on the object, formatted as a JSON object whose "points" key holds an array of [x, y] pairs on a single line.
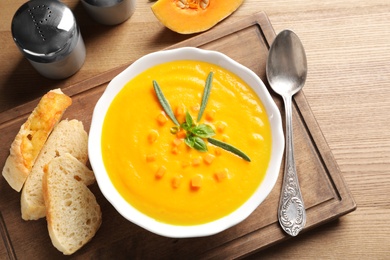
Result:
{"points": [[32, 136], [72, 212], [70, 166], [67, 137]]}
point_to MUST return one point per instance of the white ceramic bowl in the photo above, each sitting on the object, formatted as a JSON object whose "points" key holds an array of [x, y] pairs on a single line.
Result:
{"points": [[131, 213]]}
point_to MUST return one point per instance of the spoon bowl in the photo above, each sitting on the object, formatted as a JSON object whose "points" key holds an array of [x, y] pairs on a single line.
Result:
{"points": [[287, 65], [286, 73]]}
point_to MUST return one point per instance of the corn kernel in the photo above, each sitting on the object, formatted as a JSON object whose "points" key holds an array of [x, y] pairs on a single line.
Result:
{"points": [[162, 119], [208, 158], [160, 172], [152, 136], [221, 175], [196, 181], [176, 181]]}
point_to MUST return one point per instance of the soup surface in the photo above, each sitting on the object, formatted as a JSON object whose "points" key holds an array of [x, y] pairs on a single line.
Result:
{"points": [[157, 172]]}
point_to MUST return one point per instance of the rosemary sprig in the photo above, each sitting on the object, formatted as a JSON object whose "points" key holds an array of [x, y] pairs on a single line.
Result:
{"points": [[195, 133], [206, 94], [164, 103], [229, 148]]}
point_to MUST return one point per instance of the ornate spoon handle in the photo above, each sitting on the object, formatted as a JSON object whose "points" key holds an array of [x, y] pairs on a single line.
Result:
{"points": [[291, 213]]}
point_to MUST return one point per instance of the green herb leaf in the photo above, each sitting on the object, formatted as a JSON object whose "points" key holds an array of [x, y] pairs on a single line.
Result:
{"points": [[199, 144], [206, 94], [229, 148], [189, 119], [196, 133], [196, 142], [185, 126], [188, 123], [203, 131], [164, 103], [189, 140]]}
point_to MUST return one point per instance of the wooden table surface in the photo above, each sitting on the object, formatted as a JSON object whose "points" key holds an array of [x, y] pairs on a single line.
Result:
{"points": [[348, 88]]}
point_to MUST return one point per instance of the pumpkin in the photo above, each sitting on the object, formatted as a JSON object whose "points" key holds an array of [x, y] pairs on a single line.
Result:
{"points": [[192, 16]]}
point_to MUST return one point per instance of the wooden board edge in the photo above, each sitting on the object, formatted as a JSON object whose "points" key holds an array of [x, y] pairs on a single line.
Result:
{"points": [[259, 18], [271, 235], [346, 199], [344, 196]]}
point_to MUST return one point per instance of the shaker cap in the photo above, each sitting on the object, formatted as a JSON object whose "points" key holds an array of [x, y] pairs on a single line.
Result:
{"points": [[45, 30], [103, 3]]}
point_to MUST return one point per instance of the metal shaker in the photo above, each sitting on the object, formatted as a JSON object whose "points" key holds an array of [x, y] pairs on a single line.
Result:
{"points": [[109, 12], [47, 34]]}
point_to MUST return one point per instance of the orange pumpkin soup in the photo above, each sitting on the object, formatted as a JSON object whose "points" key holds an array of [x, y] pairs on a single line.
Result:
{"points": [[157, 172]]}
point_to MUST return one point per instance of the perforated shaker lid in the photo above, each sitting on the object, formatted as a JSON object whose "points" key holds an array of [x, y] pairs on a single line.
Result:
{"points": [[45, 30]]}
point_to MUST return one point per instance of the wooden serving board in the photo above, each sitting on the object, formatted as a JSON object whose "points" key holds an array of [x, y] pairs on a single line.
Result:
{"points": [[324, 191]]}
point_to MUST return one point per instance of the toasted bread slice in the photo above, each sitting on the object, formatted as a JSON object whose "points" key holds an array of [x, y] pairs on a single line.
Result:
{"points": [[72, 212], [67, 137], [32, 136]]}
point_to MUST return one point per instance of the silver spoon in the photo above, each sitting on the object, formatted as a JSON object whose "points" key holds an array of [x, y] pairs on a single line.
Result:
{"points": [[286, 73]]}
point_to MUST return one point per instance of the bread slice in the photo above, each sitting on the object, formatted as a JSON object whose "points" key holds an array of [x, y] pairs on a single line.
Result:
{"points": [[71, 166], [67, 137], [72, 212], [32, 136]]}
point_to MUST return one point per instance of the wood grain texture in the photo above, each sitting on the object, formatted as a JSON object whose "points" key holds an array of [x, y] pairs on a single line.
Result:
{"points": [[348, 90], [324, 190]]}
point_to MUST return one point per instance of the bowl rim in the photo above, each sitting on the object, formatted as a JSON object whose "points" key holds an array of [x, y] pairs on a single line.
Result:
{"points": [[183, 231]]}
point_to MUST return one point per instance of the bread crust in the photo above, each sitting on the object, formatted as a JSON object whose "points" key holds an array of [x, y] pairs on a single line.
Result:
{"points": [[72, 212], [32, 136], [68, 138]]}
